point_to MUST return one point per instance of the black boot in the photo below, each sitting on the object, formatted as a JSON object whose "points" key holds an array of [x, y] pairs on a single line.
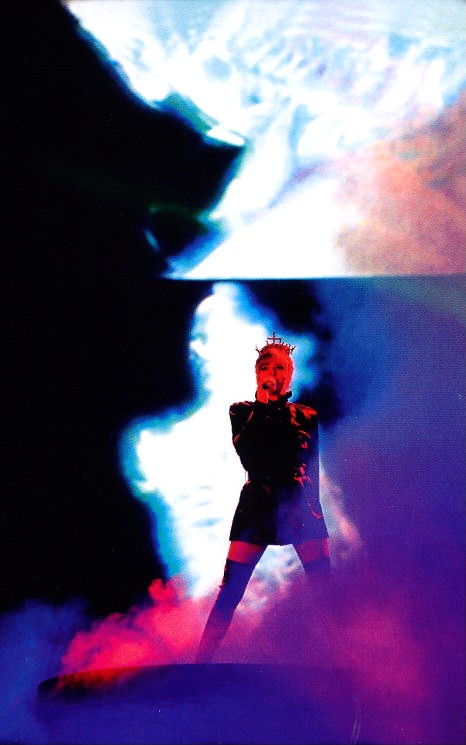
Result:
{"points": [[319, 569], [235, 580], [319, 577]]}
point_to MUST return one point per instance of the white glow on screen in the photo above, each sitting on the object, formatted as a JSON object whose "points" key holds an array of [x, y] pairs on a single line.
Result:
{"points": [[185, 461], [296, 239], [306, 85]]}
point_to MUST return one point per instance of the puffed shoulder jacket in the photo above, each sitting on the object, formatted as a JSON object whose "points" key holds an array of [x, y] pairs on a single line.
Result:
{"points": [[278, 446]]}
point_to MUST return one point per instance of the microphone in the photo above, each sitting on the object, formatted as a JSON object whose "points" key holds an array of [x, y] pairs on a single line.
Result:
{"points": [[268, 385]]}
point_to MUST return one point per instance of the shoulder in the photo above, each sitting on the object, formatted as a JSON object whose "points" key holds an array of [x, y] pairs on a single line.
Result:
{"points": [[240, 413], [305, 412], [241, 407]]}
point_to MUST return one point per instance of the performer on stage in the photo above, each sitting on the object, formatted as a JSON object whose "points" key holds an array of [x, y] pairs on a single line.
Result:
{"points": [[277, 443]]}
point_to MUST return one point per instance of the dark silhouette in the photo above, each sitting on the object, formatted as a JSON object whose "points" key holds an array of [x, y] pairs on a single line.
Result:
{"points": [[84, 165], [278, 445]]}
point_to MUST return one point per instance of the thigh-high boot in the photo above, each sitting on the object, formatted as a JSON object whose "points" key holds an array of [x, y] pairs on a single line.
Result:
{"points": [[318, 569], [235, 579], [319, 575]]}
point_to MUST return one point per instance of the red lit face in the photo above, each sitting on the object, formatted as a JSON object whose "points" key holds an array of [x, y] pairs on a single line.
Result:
{"points": [[275, 369]]}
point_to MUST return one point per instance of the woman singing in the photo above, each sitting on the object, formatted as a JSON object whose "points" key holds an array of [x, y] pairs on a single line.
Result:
{"points": [[277, 443]]}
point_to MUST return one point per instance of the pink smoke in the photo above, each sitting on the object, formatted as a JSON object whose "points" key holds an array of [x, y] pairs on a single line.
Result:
{"points": [[163, 632]]}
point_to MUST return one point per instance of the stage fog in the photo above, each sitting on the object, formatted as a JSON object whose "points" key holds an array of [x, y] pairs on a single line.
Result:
{"points": [[184, 179], [381, 360]]}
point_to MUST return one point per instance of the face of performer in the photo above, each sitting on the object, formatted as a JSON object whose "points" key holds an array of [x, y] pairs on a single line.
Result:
{"points": [[275, 369]]}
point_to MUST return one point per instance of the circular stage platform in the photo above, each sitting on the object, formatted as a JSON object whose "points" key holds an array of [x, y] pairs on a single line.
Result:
{"points": [[219, 703]]}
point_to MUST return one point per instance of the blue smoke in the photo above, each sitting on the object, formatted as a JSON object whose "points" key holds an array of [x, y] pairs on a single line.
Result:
{"points": [[33, 639]]}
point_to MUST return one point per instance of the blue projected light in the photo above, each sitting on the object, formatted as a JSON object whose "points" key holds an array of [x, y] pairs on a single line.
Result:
{"points": [[182, 464], [344, 107]]}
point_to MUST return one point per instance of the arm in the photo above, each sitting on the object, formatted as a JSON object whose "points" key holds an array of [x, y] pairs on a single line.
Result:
{"points": [[250, 424]]}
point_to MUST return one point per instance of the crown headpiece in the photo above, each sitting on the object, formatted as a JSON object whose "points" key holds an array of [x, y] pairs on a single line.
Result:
{"points": [[277, 341]]}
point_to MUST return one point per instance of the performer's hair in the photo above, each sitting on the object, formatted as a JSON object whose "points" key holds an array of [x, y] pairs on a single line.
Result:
{"points": [[275, 343]]}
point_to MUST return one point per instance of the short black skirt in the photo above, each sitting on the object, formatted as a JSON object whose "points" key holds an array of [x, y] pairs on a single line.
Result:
{"points": [[277, 515]]}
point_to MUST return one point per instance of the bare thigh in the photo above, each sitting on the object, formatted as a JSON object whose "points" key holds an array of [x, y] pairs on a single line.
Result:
{"points": [[245, 553], [312, 550]]}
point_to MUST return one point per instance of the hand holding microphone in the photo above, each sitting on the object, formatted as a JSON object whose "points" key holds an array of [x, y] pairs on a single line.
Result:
{"points": [[262, 390]]}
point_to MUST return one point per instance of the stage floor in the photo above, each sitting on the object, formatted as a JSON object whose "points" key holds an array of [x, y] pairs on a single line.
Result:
{"points": [[220, 703]]}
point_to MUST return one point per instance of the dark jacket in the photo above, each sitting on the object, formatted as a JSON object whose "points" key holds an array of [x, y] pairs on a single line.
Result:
{"points": [[278, 445]]}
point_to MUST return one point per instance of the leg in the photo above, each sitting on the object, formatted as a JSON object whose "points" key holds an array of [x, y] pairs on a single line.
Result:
{"points": [[314, 556], [241, 561], [317, 599]]}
